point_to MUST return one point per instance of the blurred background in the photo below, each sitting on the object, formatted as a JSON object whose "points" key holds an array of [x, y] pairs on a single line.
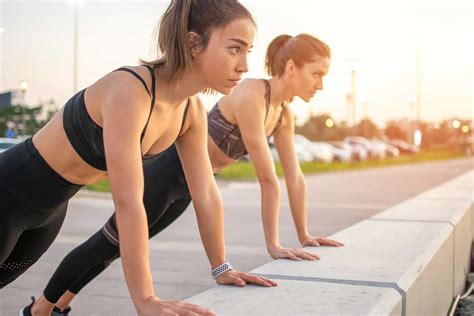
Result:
{"points": [[401, 77]]}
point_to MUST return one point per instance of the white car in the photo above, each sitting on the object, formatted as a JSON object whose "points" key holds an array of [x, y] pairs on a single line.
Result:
{"points": [[322, 152], [301, 152], [374, 150], [319, 150], [343, 153], [6, 143], [390, 150]]}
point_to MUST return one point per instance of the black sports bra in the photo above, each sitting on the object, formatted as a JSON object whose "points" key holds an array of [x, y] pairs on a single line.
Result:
{"points": [[86, 137]]}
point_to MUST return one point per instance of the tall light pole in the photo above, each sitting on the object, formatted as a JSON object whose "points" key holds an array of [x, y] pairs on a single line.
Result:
{"points": [[365, 103], [412, 118], [2, 30], [23, 88], [76, 4], [418, 80], [351, 96], [417, 135]]}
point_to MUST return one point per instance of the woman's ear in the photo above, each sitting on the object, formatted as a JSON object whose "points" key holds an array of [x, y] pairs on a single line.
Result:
{"points": [[194, 43], [290, 67]]}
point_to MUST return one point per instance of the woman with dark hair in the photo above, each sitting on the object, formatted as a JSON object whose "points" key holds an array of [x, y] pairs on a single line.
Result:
{"points": [[128, 117], [240, 123]]}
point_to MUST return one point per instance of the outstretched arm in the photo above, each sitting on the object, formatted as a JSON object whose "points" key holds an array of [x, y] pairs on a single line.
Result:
{"points": [[295, 181], [192, 149]]}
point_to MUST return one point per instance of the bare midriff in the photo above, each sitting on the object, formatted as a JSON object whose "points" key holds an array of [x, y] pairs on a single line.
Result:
{"points": [[219, 160], [52, 144]]}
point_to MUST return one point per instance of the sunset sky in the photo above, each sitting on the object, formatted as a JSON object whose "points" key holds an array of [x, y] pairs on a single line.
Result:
{"points": [[36, 45]]}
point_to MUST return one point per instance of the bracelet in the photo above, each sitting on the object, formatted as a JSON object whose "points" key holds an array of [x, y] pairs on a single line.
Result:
{"points": [[221, 269]]}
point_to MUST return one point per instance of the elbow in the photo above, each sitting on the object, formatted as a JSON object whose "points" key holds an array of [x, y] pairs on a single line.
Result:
{"points": [[269, 182], [124, 205]]}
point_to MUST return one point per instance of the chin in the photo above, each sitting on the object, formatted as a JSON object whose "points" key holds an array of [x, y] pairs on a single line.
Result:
{"points": [[306, 99], [225, 90]]}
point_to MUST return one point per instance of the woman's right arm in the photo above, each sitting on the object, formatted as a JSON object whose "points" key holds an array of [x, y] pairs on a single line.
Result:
{"points": [[249, 111], [124, 112]]}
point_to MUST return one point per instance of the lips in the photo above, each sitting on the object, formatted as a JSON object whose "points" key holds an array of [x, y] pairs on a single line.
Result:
{"points": [[234, 81]]}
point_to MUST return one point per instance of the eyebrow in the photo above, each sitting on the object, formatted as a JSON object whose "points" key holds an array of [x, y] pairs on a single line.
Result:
{"points": [[241, 42]]}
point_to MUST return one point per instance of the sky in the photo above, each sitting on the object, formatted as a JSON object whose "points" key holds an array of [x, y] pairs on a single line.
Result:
{"points": [[383, 37]]}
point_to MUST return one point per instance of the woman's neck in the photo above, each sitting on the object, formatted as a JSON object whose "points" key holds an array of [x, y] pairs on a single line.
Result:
{"points": [[174, 93], [279, 91]]}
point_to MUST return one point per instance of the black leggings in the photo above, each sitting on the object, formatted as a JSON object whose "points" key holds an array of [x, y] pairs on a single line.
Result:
{"points": [[33, 203], [166, 197]]}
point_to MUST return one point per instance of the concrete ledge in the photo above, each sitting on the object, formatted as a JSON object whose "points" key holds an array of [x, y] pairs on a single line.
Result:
{"points": [[416, 254], [301, 298]]}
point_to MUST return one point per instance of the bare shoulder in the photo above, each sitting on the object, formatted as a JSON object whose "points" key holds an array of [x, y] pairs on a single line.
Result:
{"points": [[248, 93], [124, 88], [196, 114]]}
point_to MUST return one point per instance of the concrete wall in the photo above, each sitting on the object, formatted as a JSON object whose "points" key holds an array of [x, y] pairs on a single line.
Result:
{"points": [[411, 259]]}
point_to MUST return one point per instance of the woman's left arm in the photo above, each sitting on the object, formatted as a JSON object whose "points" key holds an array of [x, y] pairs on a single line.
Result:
{"points": [[207, 201], [295, 181]]}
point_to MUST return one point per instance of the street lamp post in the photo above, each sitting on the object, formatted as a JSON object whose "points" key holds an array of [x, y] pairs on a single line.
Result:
{"points": [[2, 30], [76, 4], [365, 103], [413, 123], [23, 88], [351, 96]]}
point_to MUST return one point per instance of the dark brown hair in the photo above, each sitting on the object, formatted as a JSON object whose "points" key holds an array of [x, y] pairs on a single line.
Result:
{"points": [[302, 49], [184, 16]]}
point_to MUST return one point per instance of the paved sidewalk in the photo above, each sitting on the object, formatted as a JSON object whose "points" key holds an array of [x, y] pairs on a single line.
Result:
{"points": [[180, 267]]}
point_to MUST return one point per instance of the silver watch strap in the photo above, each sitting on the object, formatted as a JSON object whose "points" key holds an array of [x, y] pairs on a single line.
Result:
{"points": [[226, 266]]}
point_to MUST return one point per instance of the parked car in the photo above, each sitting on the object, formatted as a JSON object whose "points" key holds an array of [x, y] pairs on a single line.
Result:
{"points": [[404, 147], [322, 152], [301, 152], [6, 143], [343, 153], [358, 151], [319, 150], [390, 150], [373, 150]]}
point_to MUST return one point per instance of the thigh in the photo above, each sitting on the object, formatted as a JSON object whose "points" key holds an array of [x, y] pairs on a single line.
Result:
{"points": [[169, 216], [30, 245], [14, 220]]}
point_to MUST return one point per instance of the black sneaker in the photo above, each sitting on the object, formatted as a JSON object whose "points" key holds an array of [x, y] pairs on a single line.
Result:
{"points": [[26, 311], [58, 312]]}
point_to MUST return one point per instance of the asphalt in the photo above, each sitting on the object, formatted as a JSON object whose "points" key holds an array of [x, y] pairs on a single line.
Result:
{"points": [[179, 265]]}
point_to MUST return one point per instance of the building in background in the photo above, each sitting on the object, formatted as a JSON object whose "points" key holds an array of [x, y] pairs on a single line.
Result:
{"points": [[10, 98]]}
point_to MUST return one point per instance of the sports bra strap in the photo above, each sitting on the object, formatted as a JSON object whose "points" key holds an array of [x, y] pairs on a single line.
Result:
{"points": [[135, 75], [153, 79], [267, 98], [185, 113]]}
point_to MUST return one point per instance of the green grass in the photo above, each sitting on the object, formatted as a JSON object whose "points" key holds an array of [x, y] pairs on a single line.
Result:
{"points": [[244, 170], [100, 186]]}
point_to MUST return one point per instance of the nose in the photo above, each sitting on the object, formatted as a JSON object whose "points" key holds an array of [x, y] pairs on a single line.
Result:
{"points": [[319, 84], [243, 65]]}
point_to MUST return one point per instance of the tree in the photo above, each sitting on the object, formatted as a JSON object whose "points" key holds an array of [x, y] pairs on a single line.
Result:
{"points": [[315, 129], [367, 129], [25, 118], [394, 131]]}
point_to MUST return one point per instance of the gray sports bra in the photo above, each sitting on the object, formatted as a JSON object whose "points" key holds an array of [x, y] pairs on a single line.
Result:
{"points": [[227, 136]]}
